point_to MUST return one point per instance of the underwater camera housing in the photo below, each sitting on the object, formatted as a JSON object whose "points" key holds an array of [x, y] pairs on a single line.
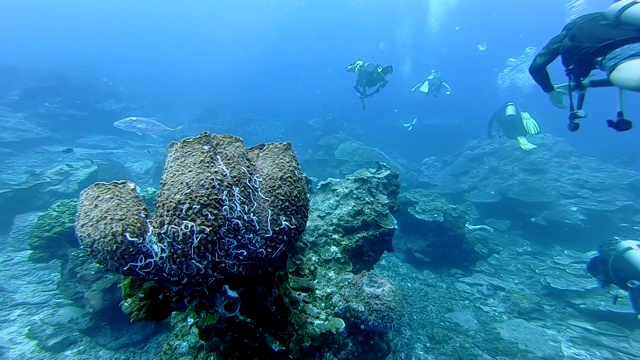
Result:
{"points": [[620, 124]]}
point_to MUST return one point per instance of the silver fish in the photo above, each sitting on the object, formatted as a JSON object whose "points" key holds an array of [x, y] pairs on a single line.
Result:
{"points": [[143, 125]]}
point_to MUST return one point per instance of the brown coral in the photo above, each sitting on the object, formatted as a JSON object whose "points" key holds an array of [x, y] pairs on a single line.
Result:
{"points": [[223, 211]]}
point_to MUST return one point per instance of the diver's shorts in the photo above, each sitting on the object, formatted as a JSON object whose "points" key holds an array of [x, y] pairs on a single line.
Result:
{"points": [[618, 56]]}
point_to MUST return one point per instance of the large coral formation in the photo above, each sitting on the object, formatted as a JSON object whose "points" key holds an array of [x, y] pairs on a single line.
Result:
{"points": [[146, 300], [433, 232], [224, 213], [350, 226], [357, 224], [312, 308], [368, 301], [53, 233]]}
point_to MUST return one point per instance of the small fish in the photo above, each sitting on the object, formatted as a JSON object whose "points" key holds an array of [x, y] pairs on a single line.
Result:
{"points": [[409, 126], [143, 125], [67, 150]]}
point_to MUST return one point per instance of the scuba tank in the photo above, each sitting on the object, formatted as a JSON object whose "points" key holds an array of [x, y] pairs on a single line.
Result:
{"points": [[624, 265], [624, 12], [624, 268]]}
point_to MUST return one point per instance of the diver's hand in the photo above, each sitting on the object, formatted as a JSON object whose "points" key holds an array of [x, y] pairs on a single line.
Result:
{"points": [[557, 98]]}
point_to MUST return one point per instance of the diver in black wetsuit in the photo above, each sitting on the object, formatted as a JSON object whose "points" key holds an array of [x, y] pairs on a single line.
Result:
{"points": [[609, 41], [369, 75], [514, 124], [618, 263]]}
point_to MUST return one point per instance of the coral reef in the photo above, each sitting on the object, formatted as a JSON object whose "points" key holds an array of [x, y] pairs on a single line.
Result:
{"points": [[34, 181], [357, 155], [315, 307], [226, 220], [53, 235], [146, 300], [550, 193], [354, 223], [368, 301], [432, 231], [88, 285], [225, 214], [350, 227]]}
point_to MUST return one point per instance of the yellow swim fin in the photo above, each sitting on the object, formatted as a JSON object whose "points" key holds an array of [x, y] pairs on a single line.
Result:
{"points": [[529, 123], [524, 144], [355, 66]]}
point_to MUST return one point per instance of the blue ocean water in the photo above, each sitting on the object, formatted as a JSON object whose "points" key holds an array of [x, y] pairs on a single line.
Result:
{"points": [[274, 70], [285, 59]]}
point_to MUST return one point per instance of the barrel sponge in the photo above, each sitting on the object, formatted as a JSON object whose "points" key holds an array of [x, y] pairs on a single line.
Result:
{"points": [[223, 212], [109, 215], [284, 184]]}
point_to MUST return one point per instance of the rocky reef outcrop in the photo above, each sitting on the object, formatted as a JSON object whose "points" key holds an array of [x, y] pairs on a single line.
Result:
{"points": [[351, 225], [552, 192], [434, 233], [354, 222]]}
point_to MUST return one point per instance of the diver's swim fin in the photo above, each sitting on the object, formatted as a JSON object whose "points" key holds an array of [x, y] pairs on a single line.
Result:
{"points": [[355, 66], [529, 123], [409, 126], [524, 144], [424, 87]]}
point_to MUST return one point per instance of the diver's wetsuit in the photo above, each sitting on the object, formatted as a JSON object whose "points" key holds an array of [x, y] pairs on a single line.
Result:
{"points": [[613, 265], [511, 125], [580, 43], [367, 80]]}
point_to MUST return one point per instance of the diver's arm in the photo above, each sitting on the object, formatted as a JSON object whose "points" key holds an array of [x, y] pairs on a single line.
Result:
{"points": [[544, 58], [417, 86], [448, 91], [361, 92]]}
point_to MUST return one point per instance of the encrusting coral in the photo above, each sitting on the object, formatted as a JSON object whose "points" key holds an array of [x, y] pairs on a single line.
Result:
{"points": [[224, 213]]}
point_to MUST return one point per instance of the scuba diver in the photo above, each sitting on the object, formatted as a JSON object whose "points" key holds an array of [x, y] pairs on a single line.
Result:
{"points": [[369, 75], [609, 41], [432, 85], [618, 263], [514, 124]]}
